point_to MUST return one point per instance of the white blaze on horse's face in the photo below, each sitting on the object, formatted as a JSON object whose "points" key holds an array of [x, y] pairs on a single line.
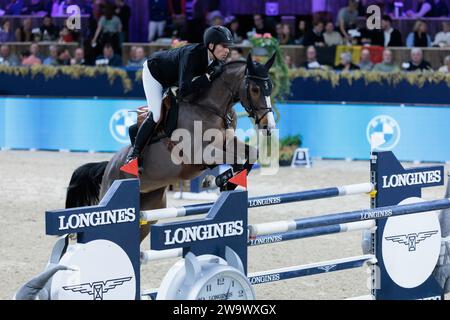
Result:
{"points": [[270, 118]]}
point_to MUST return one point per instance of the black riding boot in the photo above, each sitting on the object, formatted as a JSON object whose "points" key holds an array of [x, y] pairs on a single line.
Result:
{"points": [[144, 133]]}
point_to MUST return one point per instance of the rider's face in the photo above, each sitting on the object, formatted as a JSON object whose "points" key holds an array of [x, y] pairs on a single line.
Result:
{"points": [[221, 52]]}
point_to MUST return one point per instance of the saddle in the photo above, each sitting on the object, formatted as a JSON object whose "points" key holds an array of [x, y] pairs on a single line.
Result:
{"points": [[169, 116]]}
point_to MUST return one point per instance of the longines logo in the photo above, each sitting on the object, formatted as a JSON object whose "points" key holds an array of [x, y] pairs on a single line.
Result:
{"points": [[411, 179], [204, 232], [327, 268], [97, 218], [412, 239], [98, 288]]}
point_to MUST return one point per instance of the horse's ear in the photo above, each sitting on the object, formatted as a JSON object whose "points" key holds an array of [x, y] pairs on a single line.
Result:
{"points": [[270, 62], [250, 65]]}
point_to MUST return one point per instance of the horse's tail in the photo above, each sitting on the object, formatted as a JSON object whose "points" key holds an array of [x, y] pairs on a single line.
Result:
{"points": [[84, 186]]}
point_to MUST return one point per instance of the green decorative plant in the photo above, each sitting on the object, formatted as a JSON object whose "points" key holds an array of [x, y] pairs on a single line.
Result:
{"points": [[417, 79], [263, 47], [287, 148], [74, 72]]}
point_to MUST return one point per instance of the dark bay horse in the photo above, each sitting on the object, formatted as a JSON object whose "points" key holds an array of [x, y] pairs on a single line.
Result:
{"points": [[244, 81]]}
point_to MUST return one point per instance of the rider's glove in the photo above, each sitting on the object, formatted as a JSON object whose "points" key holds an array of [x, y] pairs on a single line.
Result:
{"points": [[214, 70]]}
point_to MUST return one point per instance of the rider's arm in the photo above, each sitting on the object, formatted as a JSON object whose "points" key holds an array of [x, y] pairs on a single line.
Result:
{"points": [[187, 83]]}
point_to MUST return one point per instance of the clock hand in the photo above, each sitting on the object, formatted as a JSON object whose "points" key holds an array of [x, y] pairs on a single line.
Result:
{"points": [[229, 287]]}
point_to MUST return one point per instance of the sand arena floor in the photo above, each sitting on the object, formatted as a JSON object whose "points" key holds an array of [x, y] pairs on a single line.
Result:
{"points": [[32, 182]]}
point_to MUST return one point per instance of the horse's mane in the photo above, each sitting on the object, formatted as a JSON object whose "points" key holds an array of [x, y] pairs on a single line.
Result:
{"points": [[232, 64]]}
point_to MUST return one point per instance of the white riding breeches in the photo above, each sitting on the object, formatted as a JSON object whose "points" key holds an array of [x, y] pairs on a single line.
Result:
{"points": [[153, 92]]}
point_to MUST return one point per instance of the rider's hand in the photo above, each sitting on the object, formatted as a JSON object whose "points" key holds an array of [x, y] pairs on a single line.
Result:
{"points": [[214, 70]]}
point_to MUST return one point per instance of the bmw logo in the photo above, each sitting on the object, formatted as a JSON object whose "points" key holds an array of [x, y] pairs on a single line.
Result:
{"points": [[383, 133], [119, 123]]}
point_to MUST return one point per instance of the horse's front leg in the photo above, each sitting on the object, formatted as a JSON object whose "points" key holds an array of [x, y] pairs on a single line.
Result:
{"points": [[240, 156]]}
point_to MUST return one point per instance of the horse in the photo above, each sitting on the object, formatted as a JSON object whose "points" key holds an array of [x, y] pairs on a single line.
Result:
{"points": [[244, 81]]}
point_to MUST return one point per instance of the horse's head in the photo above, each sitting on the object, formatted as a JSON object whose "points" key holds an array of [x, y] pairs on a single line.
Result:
{"points": [[256, 91]]}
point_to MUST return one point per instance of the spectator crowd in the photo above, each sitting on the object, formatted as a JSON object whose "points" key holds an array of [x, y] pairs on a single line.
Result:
{"points": [[108, 26]]}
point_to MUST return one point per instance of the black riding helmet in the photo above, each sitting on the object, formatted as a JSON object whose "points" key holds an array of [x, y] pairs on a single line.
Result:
{"points": [[217, 35]]}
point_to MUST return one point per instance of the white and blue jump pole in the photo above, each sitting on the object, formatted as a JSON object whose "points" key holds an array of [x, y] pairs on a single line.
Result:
{"points": [[116, 221]]}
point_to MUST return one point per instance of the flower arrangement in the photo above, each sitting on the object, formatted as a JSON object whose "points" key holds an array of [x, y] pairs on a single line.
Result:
{"points": [[176, 43]]}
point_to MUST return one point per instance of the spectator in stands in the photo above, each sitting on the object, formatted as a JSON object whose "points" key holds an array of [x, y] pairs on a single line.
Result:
{"points": [[347, 18], [366, 36], [63, 57], [391, 37], [288, 60], [301, 31], [234, 28], [419, 37], [34, 50], [215, 18], [6, 33], [346, 64], [138, 59], [442, 38], [429, 8], [29, 59], [65, 35], [49, 32], [387, 65], [286, 37], [417, 62], [108, 58], [315, 36], [56, 8], [321, 10], [24, 32], [331, 36], [37, 7], [365, 63], [108, 30], [6, 58], [177, 12], [158, 17], [260, 26], [446, 67], [311, 59], [15, 8], [132, 54], [279, 31], [123, 11], [389, 7], [78, 58], [236, 54], [51, 60], [440, 9]]}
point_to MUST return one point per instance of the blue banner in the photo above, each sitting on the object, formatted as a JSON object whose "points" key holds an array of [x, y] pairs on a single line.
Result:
{"points": [[66, 124], [340, 131], [329, 130]]}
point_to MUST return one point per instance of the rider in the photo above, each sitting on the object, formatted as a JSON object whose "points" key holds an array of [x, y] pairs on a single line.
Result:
{"points": [[192, 67]]}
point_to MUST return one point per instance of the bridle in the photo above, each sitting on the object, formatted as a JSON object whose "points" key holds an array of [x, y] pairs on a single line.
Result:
{"points": [[265, 84]]}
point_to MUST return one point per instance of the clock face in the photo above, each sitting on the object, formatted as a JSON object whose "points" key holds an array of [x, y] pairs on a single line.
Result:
{"points": [[226, 285]]}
